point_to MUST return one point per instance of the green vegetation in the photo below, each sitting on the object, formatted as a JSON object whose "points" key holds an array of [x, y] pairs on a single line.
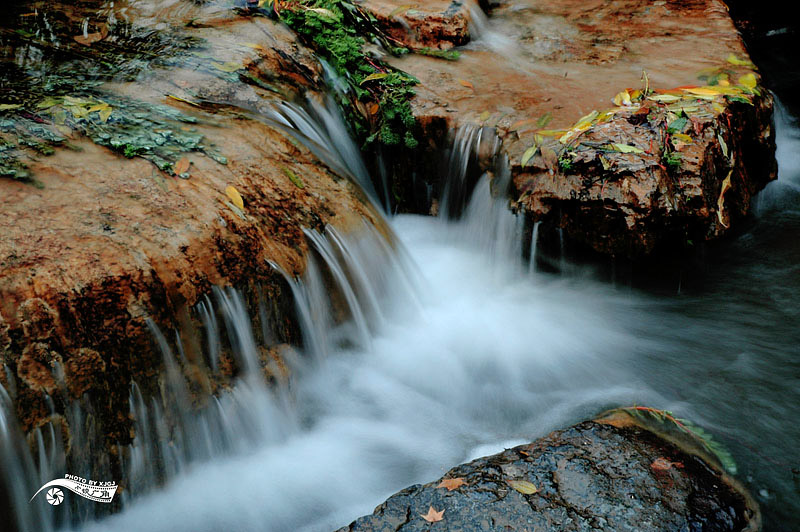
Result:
{"points": [[378, 96]]}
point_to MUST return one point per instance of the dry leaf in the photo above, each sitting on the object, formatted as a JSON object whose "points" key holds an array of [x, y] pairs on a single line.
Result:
{"points": [[451, 483], [662, 464], [466, 83], [734, 60], [293, 177], [374, 108], [235, 197], [182, 166], [402, 9], [624, 148], [230, 66], [433, 516], [622, 98], [485, 116], [748, 80], [523, 486], [528, 155]]}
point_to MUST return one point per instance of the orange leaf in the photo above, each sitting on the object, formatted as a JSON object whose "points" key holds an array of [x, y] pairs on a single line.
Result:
{"points": [[374, 108], [433, 516], [182, 166], [451, 483], [467, 84]]}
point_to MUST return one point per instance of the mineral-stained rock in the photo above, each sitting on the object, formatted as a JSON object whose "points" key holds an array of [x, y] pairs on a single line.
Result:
{"points": [[592, 476], [106, 233], [542, 66], [438, 24]]}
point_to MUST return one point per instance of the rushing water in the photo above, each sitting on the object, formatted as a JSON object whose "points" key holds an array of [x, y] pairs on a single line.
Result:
{"points": [[455, 349], [452, 347]]}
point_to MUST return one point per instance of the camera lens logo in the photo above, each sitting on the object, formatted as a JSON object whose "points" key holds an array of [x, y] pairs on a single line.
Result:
{"points": [[55, 496]]}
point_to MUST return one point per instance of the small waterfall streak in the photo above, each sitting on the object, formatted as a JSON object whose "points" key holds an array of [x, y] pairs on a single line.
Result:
{"points": [[534, 244]]}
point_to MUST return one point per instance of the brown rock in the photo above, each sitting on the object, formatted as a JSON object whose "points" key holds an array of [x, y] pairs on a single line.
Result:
{"points": [[438, 24], [568, 58]]}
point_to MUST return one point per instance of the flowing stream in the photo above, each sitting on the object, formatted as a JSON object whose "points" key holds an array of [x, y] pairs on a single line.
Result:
{"points": [[454, 347]]}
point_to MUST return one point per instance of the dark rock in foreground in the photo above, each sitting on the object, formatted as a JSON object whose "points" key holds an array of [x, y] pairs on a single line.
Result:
{"points": [[592, 476]]}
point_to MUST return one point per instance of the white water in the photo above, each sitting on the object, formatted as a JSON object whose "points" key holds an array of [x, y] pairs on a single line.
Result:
{"points": [[489, 357]]}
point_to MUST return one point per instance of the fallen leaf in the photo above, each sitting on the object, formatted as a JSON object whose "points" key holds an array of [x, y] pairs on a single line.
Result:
{"points": [[235, 197], [662, 464], [433, 516], [402, 9], [372, 77], [748, 80], [683, 138], [624, 148], [9, 106], [665, 98], [605, 162], [734, 60], [523, 486], [622, 98], [723, 145], [182, 166], [485, 116], [293, 177], [528, 155], [255, 46], [726, 184], [544, 120], [374, 108], [230, 66], [451, 483], [322, 11], [466, 83]]}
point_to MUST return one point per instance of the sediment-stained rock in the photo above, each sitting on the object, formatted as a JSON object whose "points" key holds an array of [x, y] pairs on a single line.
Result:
{"points": [[128, 216], [539, 67], [438, 24], [592, 476]]}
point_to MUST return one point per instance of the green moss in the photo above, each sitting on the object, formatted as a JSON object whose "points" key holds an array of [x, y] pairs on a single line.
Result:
{"points": [[338, 31]]}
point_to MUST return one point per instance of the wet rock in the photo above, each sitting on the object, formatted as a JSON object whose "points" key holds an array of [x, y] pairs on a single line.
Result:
{"points": [[592, 476], [438, 24], [104, 233], [539, 67]]}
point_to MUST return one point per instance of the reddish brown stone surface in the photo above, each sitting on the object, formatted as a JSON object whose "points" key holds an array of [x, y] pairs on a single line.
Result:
{"points": [[438, 24], [565, 58], [105, 242]]}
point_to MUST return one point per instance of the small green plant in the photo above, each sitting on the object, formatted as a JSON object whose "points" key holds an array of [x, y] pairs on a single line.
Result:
{"points": [[672, 160], [565, 162]]}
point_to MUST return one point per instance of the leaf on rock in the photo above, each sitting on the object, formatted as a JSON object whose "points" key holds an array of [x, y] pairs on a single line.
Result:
{"points": [[402, 9], [235, 197], [466, 84], [485, 116], [293, 177], [528, 155], [89, 38], [748, 80], [622, 98], [664, 98], [451, 483], [544, 120], [230, 66], [726, 184], [723, 145], [182, 166], [523, 486], [624, 148], [433, 516], [9, 106], [735, 60]]}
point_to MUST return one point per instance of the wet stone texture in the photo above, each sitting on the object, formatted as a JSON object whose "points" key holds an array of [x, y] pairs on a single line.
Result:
{"points": [[533, 71], [591, 476]]}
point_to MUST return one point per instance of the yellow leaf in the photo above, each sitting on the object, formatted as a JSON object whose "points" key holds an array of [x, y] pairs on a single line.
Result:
{"points": [[9, 106], [485, 116], [523, 486], [184, 100], [255, 46], [726, 184], [622, 98], [230, 66], [528, 155], [544, 119], [748, 80], [402, 9], [433, 516], [550, 132], [734, 60], [605, 162], [624, 148], [683, 137], [718, 107], [293, 177], [371, 77], [235, 197], [466, 83], [105, 113], [665, 98]]}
